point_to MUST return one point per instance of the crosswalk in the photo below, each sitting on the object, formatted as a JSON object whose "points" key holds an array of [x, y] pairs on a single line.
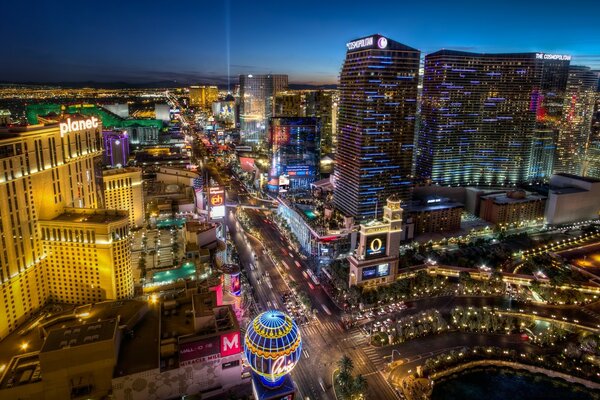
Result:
{"points": [[361, 340], [377, 360], [316, 328]]}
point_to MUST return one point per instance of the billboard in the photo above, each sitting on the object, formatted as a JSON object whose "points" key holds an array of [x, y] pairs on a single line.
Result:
{"points": [[199, 351], [376, 246], [216, 202], [375, 271], [236, 288], [230, 344]]}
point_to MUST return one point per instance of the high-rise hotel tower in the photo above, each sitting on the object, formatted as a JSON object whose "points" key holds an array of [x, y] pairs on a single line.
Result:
{"points": [[376, 123], [47, 249], [256, 105], [490, 118]]}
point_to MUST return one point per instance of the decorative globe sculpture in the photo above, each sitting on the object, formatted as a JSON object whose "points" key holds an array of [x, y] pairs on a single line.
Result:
{"points": [[272, 346]]}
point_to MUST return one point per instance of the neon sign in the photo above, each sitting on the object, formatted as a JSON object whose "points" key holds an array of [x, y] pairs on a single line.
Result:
{"points": [[360, 43], [74, 126], [545, 56]]}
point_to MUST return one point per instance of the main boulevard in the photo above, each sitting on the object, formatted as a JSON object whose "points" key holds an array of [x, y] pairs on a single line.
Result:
{"points": [[325, 340]]}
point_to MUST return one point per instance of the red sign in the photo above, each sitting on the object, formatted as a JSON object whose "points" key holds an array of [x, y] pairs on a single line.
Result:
{"points": [[247, 164], [230, 344]]}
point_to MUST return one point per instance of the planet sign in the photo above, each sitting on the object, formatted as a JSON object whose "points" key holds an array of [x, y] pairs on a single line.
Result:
{"points": [[272, 346]]}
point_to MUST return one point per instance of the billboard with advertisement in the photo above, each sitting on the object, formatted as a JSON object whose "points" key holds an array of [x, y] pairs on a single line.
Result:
{"points": [[199, 351], [375, 271], [208, 349], [236, 287], [376, 246], [216, 202]]}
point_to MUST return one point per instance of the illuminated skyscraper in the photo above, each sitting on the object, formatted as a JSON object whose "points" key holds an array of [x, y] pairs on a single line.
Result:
{"points": [[376, 123], [575, 132], [43, 169], [256, 105], [123, 191], [295, 155], [592, 164], [203, 96], [490, 118], [46, 170], [321, 104], [88, 255], [289, 104]]}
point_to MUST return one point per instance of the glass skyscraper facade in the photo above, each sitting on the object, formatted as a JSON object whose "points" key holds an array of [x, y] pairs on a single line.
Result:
{"points": [[575, 132], [490, 119], [295, 155], [256, 105], [376, 124]]}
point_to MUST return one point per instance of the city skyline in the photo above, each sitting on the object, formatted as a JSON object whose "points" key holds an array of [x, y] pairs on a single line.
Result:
{"points": [[208, 42]]}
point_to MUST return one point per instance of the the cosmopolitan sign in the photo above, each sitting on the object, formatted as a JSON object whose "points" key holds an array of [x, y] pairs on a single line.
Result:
{"points": [[545, 56], [78, 125], [367, 42]]}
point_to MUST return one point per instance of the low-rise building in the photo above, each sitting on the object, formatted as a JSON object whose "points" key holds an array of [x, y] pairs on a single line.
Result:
{"points": [[516, 206], [434, 215], [572, 198]]}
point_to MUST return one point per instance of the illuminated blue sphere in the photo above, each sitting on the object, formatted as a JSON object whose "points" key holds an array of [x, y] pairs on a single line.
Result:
{"points": [[272, 346]]}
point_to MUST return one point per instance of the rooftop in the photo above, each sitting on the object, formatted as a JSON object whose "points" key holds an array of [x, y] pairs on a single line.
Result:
{"points": [[80, 335], [63, 316], [91, 216], [505, 199], [119, 171], [588, 179], [424, 207], [565, 190], [139, 351]]}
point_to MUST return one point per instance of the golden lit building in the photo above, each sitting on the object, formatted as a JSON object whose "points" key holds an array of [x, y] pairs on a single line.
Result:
{"points": [[123, 191], [203, 96], [289, 104], [43, 169], [88, 255]]}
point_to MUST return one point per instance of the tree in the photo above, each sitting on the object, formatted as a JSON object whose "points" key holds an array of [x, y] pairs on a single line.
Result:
{"points": [[359, 385], [345, 364]]}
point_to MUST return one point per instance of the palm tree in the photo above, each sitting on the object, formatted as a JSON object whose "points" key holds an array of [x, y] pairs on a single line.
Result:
{"points": [[360, 385], [346, 364]]}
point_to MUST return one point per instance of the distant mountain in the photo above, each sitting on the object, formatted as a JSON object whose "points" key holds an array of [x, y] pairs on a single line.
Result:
{"points": [[100, 85], [144, 85], [303, 86]]}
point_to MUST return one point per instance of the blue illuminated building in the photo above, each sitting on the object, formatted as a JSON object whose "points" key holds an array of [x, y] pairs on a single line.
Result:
{"points": [[490, 119], [294, 148], [376, 123]]}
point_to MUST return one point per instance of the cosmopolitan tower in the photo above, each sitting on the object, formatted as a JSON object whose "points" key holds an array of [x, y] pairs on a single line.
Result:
{"points": [[376, 124]]}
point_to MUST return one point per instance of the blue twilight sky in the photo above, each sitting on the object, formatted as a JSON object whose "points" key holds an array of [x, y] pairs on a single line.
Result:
{"points": [[196, 41]]}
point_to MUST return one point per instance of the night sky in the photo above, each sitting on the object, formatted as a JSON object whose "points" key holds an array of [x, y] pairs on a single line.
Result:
{"points": [[187, 41]]}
